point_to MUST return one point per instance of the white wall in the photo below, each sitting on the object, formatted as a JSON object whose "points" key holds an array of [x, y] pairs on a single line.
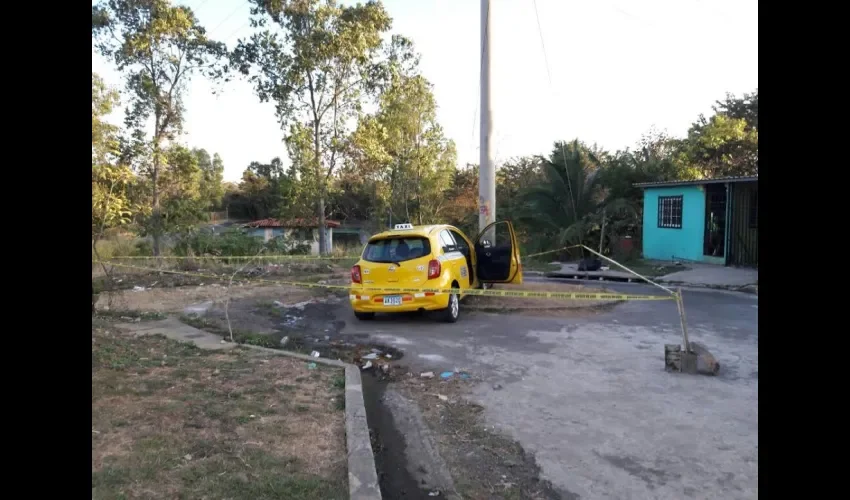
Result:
{"points": [[313, 238]]}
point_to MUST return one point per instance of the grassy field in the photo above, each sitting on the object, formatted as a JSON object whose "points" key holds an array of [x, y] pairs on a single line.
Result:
{"points": [[172, 421]]}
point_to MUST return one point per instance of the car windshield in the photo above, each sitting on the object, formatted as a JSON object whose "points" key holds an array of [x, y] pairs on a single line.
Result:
{"points": [[396, 250]]}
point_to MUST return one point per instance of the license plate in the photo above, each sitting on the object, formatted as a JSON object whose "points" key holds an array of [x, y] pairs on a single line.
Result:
{"points": [[392, 300]]}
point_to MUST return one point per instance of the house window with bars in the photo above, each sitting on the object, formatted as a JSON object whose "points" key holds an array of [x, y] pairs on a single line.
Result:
{"points": [[670, 212]]}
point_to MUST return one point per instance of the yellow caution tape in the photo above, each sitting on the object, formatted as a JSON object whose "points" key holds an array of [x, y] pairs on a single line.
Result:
{"points": [[549, 251], [232, 257], [386, 290]]}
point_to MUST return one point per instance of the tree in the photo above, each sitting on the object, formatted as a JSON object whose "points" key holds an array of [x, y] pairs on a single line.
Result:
{"points": [[462, 199], [513, 178], [111, 181], [745, 108], [652, 160], [266, 190], [403, 150], [212, 174], [726, 144], [721, 146], [158, 47], [560, 207], [314, 71], [183, 192]]}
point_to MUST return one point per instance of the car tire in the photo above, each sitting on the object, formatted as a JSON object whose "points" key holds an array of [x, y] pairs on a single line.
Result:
{"points": [[364, 316], [452, 313]]}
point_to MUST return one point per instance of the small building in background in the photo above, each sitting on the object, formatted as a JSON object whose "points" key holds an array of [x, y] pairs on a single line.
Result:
{"points": [[710, 220], [304, 231]]}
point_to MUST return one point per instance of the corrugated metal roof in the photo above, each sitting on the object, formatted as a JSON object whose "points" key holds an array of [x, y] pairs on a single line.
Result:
{"points": [[290, 223], [716, 180]]}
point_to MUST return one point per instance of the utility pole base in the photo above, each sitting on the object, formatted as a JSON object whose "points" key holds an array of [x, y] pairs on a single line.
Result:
{"points": [[698, 361]]}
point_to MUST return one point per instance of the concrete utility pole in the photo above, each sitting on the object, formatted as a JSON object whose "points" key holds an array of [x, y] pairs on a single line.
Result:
{"points": [[486, 166]]}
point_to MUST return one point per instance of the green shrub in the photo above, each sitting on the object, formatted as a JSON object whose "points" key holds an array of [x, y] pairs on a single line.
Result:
{"points": [[235, 242]]}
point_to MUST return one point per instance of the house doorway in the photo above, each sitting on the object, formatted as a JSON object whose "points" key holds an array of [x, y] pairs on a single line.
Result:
{"points": [[715, 221]]}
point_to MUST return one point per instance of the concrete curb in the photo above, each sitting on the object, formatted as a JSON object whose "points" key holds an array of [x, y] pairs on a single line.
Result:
{"points": [[362, 474], [580, 277]]}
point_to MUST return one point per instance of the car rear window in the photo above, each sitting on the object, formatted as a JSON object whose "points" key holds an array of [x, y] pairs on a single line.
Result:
{"points": [[397, 249]]}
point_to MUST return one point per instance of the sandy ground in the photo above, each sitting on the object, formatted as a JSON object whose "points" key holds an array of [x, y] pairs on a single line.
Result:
{"points": [[177, 299]]}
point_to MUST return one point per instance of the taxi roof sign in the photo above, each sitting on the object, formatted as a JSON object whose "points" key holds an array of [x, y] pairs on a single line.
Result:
{"points": [[402, 226]]}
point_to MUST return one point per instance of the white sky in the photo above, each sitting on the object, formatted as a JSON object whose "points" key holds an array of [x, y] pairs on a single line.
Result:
{"points": [[618, 68]]}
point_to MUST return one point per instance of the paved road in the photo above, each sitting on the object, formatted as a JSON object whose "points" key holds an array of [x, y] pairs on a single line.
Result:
{"points": [[589, 396]]}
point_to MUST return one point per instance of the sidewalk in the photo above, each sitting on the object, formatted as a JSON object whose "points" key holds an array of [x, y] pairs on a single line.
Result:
{"points": [[700, 275], [734, 278]]}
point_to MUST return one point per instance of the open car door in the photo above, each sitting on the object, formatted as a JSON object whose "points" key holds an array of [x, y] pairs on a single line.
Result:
{"points": [[497, 254]]}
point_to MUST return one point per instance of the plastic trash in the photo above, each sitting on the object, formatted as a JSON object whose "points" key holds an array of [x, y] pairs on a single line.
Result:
{"points": [[311, 366], [367, 365], [427, 375], [315, 354], [446, 375], [371, 355]]}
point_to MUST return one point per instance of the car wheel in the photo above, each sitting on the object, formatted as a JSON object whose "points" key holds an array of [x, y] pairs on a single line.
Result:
{"points": [[452, 313], [364, 316]]}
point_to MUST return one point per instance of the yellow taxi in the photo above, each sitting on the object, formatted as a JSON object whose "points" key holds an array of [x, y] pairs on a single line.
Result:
{"points": [[436, 257]]}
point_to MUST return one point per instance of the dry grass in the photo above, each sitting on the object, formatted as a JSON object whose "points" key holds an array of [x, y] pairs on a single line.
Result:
{"points": [[176, 299], [537, 305], [172, 421]]}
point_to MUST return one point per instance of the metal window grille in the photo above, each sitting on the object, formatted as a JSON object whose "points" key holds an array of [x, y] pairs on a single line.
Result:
{"points": [[670, 212]]}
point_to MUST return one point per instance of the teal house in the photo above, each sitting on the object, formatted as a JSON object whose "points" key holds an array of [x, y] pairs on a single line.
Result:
{"points": [[710, 220]]}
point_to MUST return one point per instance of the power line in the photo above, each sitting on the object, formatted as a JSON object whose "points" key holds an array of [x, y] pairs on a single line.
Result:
{"points": [[228, 37], [542, 43], [200, 5], [551, 88], [229, 16]]}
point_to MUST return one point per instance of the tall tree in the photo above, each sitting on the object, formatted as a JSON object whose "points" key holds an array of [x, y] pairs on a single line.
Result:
{"points": [[569, 195], [462, 199], [513, 178], [158, 47], [111, 180], [183, 190], [745, 108], [212, 175], [314, 67], [402, 147], [721, 146], [726, 143]]}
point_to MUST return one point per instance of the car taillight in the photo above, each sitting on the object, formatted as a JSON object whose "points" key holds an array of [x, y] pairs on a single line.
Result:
{"points": [[355, 274], [434, 269]]}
